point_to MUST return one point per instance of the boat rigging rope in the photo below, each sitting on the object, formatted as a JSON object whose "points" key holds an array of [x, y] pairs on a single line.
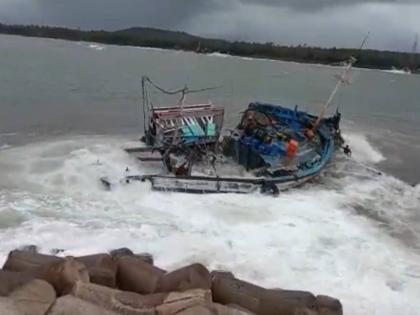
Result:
{"points": [[147, 105], [184, 90]]}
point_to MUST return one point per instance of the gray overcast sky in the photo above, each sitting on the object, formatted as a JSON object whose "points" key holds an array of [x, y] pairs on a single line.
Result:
{"points": [[342, 23]]}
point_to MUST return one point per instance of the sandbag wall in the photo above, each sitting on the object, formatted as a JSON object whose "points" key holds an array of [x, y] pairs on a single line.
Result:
{"points": [[121, 282]]}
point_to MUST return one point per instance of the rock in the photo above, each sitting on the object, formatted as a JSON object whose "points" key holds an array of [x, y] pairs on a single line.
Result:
{"points": [[327, 305], [29, 248], [126, 303], [60, 273], [196, 310], [102, 269], [70, 305], [56, 251], [195, 276], [10, 280], [19, 260], [176, 302], [146, 257], [229, 290], [34, 298], [8, 307], [137, 276], [124, 251], [214, 309], [219, 273], [64, 274], [220, 309], [121, 252]]}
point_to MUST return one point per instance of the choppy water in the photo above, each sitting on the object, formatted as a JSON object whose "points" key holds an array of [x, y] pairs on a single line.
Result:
{"points": [[355, 235]]}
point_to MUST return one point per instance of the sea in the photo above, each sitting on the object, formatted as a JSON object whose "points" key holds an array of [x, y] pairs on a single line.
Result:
{"points": [[68, 108]]}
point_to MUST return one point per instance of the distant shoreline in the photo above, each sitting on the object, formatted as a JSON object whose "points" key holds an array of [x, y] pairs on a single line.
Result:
{"points": [[156, 38]]}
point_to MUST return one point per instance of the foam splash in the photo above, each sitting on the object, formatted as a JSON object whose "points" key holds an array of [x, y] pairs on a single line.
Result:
{"points": [[4, 146], [220, 55], [397, 71], [312, 234], [8, 134], [362, 149], [97, 47]]}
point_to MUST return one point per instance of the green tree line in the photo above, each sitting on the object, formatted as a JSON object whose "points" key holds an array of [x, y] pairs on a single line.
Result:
{"points": [[149, 37]]}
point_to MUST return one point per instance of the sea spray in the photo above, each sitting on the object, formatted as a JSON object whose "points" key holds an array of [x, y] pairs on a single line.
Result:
{"points": [[314, 233]]}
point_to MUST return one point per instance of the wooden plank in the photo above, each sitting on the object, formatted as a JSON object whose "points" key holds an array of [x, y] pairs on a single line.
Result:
{"points": [[150, 159], [140, 149]]}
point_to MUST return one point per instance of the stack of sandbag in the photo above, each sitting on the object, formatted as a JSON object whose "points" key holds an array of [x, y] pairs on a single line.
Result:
{"points": [[123, 283]]}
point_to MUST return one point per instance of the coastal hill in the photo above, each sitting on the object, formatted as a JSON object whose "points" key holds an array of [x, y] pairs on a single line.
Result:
{"points": [[151, 37]]}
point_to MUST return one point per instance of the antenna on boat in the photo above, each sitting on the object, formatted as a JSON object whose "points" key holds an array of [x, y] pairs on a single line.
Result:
{"points": [[364, 41], [343, 78], [413, 64]]}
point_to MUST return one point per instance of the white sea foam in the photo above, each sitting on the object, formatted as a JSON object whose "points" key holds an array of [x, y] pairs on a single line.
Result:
{"points": [[8, 134], [362, 150], [217, 54], [4, 146], [96, 47], [305, 239], [397, 71]]}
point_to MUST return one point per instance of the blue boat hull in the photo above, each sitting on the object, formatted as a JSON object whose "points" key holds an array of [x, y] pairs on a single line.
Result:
{"points": [[250, 149]]}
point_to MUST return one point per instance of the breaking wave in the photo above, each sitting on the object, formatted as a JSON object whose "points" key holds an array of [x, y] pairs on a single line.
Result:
{"points": [[362, 149], [8, 134], [397, 71], [216, 54], [96, 47], [338, 236]]}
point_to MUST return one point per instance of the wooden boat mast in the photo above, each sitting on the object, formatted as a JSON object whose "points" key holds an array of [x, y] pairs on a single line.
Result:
{"points": [[343, 78], [413, 64]]}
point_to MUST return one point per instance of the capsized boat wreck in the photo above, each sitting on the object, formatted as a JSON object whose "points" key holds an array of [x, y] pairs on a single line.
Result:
{"points": [[272, 148]]}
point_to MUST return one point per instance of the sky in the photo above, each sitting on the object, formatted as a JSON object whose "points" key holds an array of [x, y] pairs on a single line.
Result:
{"points": [[327, 23]]}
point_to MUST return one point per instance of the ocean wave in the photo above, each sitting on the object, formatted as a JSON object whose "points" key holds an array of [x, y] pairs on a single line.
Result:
{"points": [[220, 55], [362, 150], [96, 47], [8, 134], [320, 233], [397, 71]]}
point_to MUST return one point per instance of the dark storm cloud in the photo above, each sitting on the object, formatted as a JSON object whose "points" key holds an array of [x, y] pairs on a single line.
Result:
{"points": [[307, 5], [111, 14], [341, 23]]}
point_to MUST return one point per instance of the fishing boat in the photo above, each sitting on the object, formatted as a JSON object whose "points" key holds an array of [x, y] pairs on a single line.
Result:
{"points": [[272, 148]]}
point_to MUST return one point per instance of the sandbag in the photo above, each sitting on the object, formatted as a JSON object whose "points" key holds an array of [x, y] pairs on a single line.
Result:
{"points": [[64, 274], [137, 276], [228, 290], [19, 260], [70, 305], [195, 276], [102, 269], [126, 303], [34, 297], [10, 280]]}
